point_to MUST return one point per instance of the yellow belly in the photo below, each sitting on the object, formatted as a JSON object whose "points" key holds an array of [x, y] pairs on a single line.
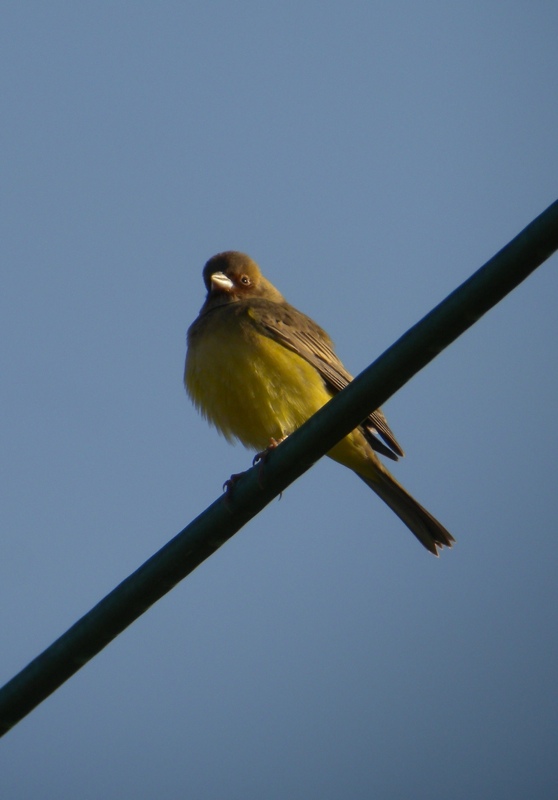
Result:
{"points": [[249, 386]]}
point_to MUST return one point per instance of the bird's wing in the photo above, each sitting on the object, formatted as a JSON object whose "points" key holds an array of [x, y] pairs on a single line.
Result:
{"points": [[303, 336]]}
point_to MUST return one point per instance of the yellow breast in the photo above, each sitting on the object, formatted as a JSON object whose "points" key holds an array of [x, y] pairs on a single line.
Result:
{"points": [[249, 386]]}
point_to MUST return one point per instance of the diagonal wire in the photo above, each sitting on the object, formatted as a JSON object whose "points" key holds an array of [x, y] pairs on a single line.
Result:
{"points": [[221, 520]]}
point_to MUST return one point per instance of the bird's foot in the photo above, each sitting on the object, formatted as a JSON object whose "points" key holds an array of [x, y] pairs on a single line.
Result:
{"points": [[261, 458], [228, 487]]}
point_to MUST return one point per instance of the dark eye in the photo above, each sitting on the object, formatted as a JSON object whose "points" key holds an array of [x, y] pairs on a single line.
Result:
{"points": [[245, 280]]}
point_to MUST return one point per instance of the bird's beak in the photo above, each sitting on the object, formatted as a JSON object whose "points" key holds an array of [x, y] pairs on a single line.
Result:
{"points": [[220, 282]]}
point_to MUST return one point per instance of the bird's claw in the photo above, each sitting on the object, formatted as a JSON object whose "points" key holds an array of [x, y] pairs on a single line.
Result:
{"points": [[228, 487], [261, 458]]}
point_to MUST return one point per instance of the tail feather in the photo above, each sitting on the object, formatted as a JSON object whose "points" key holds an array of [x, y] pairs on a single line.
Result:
{"points": [[426, 528]]}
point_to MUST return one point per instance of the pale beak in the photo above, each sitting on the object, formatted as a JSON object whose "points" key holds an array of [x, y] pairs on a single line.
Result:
{"points": [[220, 282]]}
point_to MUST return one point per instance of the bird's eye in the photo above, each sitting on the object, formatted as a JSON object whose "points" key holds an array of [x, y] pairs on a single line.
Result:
{"points": [[245, 280]]}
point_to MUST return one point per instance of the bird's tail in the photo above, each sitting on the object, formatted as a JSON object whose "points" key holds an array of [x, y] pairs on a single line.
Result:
{"points": [[426, 528]]}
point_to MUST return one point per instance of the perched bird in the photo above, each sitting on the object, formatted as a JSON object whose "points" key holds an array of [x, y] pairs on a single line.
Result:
{"points": [[257, 368]]}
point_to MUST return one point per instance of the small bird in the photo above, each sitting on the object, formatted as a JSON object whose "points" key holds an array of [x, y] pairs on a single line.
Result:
{"points": [[257, 369]]}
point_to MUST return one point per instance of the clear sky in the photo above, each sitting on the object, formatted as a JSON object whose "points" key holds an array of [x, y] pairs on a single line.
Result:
{"points": [[370, 156]]}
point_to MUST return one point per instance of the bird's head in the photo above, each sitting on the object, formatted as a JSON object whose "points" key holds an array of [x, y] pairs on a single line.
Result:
{"points": [[232, 276]]}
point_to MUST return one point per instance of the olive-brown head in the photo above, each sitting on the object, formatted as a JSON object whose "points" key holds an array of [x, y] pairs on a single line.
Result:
{"points": [[233, 276]]}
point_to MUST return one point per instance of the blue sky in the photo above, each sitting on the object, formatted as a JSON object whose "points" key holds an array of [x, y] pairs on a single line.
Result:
{"points": [[370, 156]]}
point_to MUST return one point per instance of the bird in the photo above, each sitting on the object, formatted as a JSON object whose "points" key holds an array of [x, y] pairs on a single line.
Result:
{"points": [[257, 368]]}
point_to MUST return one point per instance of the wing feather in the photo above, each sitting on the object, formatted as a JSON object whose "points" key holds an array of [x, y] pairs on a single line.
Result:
{"points": [[303, 336]]}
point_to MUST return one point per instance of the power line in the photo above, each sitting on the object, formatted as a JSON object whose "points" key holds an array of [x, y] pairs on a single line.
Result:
{"points": [[416, 348]]}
